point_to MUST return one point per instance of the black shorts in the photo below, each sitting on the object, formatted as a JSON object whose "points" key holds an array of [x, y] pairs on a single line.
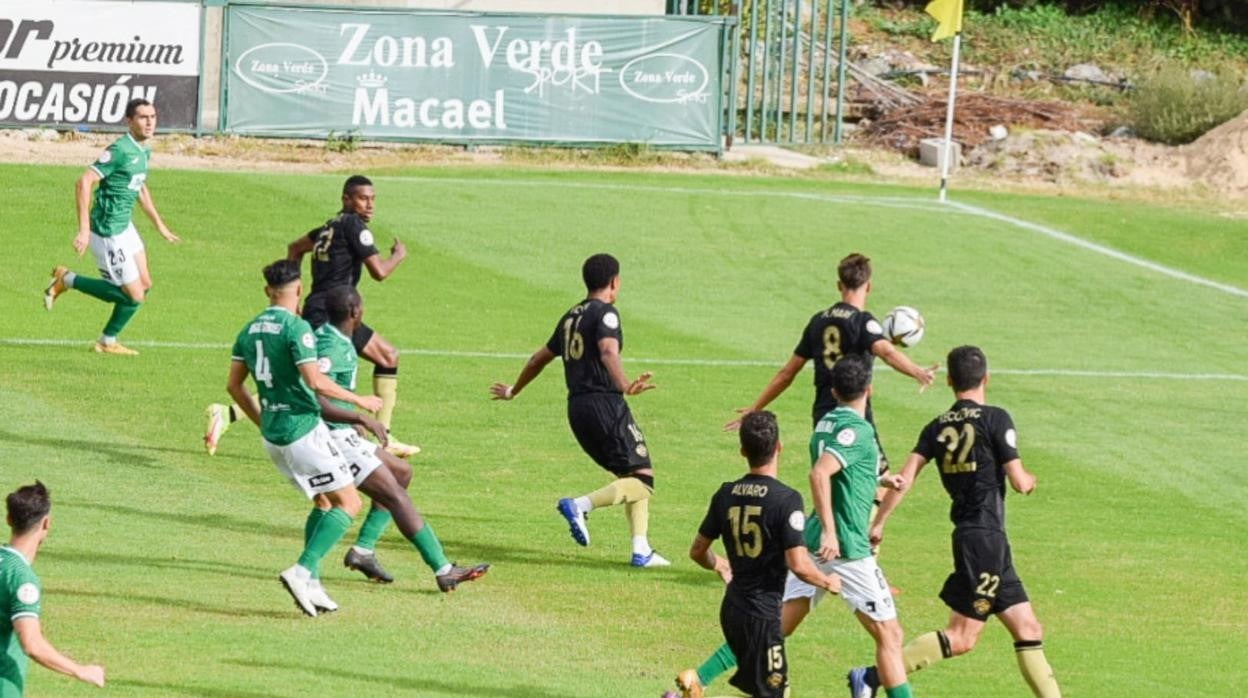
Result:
{"points": [[605, 429], [758, 643], [983, 582], [316, 315]]}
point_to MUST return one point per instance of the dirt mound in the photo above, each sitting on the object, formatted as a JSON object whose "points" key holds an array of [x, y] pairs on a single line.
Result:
{"points": [[1219, 159]]}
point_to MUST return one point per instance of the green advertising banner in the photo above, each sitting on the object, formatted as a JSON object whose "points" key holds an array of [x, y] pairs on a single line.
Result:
{"points": [[456, 77]]}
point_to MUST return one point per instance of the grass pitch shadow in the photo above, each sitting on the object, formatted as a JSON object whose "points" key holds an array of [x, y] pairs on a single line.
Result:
{"points": [[168, 689], [416, 686], [179, 604]]}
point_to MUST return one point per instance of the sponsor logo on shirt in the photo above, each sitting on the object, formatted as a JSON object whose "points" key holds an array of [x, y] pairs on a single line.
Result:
{"points": [[611, 320], [846, 437], [874, 327], [1011, 438], [366, 237], [797, 520], [28, 594]]}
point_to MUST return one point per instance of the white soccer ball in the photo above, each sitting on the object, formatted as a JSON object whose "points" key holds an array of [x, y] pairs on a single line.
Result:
{"points": [[904, 325]]}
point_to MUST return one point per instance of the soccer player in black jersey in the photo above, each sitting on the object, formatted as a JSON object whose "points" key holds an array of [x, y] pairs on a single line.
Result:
{"points": [[845, 329], [976, 448], [762, 522], [589, 339], [341, 249]]}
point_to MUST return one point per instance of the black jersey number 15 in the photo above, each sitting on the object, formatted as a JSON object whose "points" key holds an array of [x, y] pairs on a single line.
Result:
{"points": [[746, 532]]}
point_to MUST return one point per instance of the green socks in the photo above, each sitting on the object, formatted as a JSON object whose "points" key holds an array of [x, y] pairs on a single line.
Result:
{"points": [[426, 541], [374, 525], [324, 536], [902, 691], [123, 308], [99, 288], [716, 665], [309, 527]]}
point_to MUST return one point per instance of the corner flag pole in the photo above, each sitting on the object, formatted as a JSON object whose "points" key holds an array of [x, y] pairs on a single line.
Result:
{"points": [[953, 96]]}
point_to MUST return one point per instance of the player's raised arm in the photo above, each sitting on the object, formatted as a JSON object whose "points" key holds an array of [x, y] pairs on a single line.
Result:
{"points": [[30, 634], [775, 387], [1023, 481], [902, 364], [237, 390], [609, 350], [532, 369], [380, 269], [149, 207]]}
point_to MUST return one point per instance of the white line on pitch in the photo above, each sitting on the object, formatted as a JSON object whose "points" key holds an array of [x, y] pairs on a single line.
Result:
{"points": [[655, 361], [902, 202]]}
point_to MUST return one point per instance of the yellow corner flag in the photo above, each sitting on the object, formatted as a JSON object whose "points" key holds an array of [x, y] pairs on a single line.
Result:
{"points": [[949, 14]]}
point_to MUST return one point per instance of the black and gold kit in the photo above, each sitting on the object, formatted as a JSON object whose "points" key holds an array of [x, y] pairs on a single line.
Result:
{"points": [[839, 331], [759, 519], [597, 411], [339, 249], [970, 444]]}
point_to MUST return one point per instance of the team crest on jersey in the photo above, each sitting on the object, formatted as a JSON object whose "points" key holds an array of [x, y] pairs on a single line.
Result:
{"points": [[366, 237], [308, 341], [324, 364], [28, 594], [105, 157], [776, 680], [1011, 438], [982, 606], [846, 437], [874, 327], [611, 320], [797, 520]]}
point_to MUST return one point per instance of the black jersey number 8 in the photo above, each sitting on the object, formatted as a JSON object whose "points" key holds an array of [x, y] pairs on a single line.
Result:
{"points": [[745, 525], [831, 346]]}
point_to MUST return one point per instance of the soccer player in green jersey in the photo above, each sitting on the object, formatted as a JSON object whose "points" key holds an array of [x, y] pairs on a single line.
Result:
{"points": [[21, 596], [278, 350], [105, 227], [843, 482], [381, 475]]}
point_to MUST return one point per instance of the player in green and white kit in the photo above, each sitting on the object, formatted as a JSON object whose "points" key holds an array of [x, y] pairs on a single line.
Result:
{"points": [[107, 229], [21, 595], [843, 481], [277, 348], [381, 475]]}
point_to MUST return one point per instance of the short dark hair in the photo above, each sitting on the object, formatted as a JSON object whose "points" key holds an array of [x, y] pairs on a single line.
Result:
{"points": [[281, 272], [599, 270], [355, 181], [132, 107], [27, 506], [760, 434], [851, 376], [854, 271], [967, 367], [340, 302]]}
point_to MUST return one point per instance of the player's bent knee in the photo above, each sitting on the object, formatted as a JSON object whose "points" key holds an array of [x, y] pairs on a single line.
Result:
{"points": [[646, 478], [347, 499]]}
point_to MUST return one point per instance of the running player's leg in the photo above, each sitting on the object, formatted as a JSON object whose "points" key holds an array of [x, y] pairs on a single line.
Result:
{"points": [[145, 275], [890, 665], [362, 556], [800, 599], [385, 359], [383, 488], [379, 517], [1020, 619]]}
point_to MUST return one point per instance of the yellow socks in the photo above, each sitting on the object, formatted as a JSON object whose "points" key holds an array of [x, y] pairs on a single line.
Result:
{"points": [[925, 650], [625, 489], [386, 387], [1036, 669], [638, 514]]}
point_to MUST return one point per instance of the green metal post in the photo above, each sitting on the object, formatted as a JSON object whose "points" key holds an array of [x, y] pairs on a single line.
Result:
{"points": [[783, 41], [797, 58], [844, 68], [810, 71], [763, 102], [749, 90], [827, 69]]}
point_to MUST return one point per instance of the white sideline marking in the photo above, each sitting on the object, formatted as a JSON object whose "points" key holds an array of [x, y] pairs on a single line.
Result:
{"points": [[901, 202], [738, 363]]}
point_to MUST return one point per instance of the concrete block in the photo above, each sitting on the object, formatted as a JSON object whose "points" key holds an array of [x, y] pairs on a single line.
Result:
{"points": [[932, 152]]}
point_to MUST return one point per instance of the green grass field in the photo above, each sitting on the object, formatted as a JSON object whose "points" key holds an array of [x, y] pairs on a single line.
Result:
{"points": [[162, 564]]}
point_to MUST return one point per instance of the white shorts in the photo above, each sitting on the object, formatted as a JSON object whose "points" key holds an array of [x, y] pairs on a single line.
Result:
{"points": [[863, 587], [115, 255], [313, 464], [361, 454]]}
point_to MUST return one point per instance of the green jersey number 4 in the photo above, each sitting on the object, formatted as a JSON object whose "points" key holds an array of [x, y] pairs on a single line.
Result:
{"points": [[264, 372]]}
